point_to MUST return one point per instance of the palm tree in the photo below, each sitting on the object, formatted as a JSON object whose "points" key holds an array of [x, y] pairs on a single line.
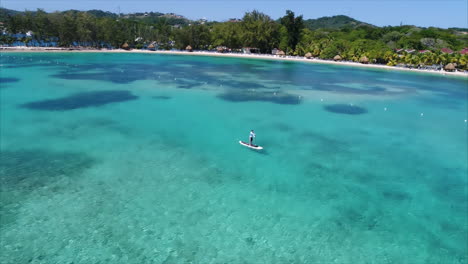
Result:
{"points": [[463, 62], [415, 60], [441, 59], [426, 58], [388, 56]]}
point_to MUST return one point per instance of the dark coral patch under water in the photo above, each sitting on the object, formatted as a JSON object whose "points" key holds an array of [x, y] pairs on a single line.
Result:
{"points": [[369, 89], [115, 77], [81, 100], [8, 80], [273, 97], [345, 109], [5, 81], [161, 97]]}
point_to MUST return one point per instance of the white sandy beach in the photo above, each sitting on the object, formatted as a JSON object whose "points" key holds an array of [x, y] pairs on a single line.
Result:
{"points": [[236, 55]]}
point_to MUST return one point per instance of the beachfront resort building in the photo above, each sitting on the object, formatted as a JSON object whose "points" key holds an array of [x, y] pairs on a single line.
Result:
{"points": [[248, 50]]}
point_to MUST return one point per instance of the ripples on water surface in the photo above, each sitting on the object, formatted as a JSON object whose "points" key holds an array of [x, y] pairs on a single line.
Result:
{"points": [[133, 158]]}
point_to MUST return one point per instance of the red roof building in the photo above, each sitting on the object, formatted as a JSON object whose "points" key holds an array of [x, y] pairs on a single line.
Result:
{"points": [[446, 50]]}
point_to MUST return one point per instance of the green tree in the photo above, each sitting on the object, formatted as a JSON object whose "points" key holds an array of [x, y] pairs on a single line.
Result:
{"points": [[197, 36], [85, 26], [259, 31], [294, 26], [226, 34], [306, 43]]}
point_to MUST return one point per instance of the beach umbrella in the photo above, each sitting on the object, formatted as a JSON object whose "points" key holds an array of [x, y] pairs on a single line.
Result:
{"points": [[188, 48], [449, 67], [151, 46], [337, 58], [220, 49], [308, 55], [364, 60]]}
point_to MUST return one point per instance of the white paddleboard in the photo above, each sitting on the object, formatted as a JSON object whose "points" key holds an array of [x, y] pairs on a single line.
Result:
{"points": [[250, 146]]}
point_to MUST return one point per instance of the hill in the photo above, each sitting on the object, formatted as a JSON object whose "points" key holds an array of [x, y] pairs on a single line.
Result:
{"points": [[156, 17], [5, 13], [100, 13], [334, 22], [147, 17]]}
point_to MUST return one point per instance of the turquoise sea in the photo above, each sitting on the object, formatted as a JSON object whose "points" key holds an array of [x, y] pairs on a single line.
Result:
{"points": [[134, 158]]}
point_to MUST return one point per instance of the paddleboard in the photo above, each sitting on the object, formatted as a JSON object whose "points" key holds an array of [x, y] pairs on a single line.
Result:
{"points": [[250, 146]]}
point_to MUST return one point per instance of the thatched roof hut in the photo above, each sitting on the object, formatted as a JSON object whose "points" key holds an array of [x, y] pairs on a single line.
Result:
{"points": [[189, 48], [449, 67], [151, 46], [364, 60], [281, 53], [337, 58], [125, 46], [308, 55]]}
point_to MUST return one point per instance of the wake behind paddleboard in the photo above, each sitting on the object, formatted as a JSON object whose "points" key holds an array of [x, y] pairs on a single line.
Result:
{"points": [[250, 146]]}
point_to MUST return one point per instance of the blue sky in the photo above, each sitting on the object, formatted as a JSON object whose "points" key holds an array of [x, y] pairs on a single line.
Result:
{"points": [[439, 13]]}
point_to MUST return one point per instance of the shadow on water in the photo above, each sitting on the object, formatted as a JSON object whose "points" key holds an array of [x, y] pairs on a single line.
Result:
{"points": [[260, 152], [23, 173], [81, 100]]}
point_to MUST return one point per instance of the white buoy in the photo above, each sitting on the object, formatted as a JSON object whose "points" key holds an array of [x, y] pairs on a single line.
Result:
{"points": [[385, 109], [175, 79], [321, 100], [422, 114], [275, 94], [466, 120]]}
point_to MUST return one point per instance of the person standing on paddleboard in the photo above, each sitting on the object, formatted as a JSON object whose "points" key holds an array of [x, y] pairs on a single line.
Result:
{"points": [[251, 137]]}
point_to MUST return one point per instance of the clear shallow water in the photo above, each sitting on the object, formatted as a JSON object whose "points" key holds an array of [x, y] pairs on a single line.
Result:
{"points": [[133, 158]]}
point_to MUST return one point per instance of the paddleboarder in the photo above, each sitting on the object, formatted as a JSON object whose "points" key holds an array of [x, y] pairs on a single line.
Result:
{"points": [[250, 143], [251, 137]]}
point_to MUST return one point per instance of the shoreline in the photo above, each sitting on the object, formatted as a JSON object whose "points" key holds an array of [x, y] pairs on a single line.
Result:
{"points": [[233, 55]]}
